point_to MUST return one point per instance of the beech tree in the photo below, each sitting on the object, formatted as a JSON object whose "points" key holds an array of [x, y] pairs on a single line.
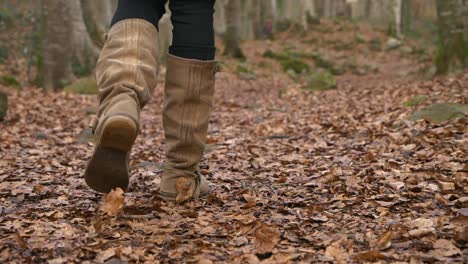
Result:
{"points": [[453, 39], [72, 33], [232, 36]]}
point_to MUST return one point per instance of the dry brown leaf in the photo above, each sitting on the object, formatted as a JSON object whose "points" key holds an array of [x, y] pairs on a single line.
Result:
{"points": [[250, 228], [461, 230], [104, 255], [246, 259], [204, 260], [369, 256], [385, 241], [184, 189], [21, 241], [421, 227], [114, 202], [250, 198], [339, 250], [369, 157], [266, 238], [281, 257], [446, 248], [446, 186]]}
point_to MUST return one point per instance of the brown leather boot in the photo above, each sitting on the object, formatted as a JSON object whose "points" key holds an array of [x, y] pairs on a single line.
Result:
{"points": [[187, 105], [126, 74]]}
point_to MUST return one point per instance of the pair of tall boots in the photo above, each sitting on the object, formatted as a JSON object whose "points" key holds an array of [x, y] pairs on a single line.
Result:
{"points": [[126, 74]]}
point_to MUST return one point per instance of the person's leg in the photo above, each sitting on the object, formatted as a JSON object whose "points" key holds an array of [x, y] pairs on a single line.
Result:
{"points": [[193, 32], [149, 10], [126, 72], [188, 98]]}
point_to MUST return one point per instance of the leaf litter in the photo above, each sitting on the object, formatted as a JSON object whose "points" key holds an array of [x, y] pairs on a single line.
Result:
{"points": [[340, 176]]}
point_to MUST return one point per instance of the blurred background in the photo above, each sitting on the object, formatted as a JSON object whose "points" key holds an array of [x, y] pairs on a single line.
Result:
{"points": [[54, 44]]}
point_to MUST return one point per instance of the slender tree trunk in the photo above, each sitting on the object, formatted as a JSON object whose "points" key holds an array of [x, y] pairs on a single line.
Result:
{"points": [[406, 16], [453, 46], [232, 37], [256, 18], [67, 48], [220, 17], [398, 5], [267, 18], [58, 31], [85, 50]]}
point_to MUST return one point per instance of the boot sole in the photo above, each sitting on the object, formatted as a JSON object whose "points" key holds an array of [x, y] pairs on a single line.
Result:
{"points": [[108, 168]]}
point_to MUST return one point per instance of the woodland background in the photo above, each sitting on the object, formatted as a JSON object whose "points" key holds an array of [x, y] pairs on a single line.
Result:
{"points": [[339, 135]]}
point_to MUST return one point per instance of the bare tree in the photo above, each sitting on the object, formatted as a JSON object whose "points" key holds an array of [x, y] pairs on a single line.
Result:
{"points": [[453, 46], [71, 33], [232, 36], [56, 69]]}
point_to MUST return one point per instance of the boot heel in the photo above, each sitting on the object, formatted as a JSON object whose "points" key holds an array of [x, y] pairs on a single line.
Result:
{"points": [[108, 167], [118, 132]]}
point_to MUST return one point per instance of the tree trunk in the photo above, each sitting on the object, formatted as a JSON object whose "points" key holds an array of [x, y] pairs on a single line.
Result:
{"points": [[56, 69], [406, 16], [232, 37], [220, 17], [256, 18], [268, 16], [85, 50], [453, 44], [67, 48], [398, 5]]}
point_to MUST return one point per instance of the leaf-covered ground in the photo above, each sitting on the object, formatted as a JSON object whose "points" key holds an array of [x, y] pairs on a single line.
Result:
{"points": [[342, 175]]}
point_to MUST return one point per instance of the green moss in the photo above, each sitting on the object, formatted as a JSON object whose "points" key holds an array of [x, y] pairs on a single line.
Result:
{"points": [[9, 81], [83, 66], [289, 60], [322, 62], [295, 65], [415, 101], [3, 54], [441, 112], [359, 39], [375, 45], [243, 68], [5, 17], [85, 85], [453, 51], [3, 105], [319, 81], [265, 64]]}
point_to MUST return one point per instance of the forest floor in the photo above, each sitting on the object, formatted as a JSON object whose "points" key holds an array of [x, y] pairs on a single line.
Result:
{"points": [[297, 175]]}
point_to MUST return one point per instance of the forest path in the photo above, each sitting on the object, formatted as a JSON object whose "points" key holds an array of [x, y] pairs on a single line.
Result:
{"points": [[317, 175]]}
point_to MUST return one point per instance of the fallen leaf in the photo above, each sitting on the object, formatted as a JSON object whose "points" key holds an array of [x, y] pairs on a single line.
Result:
{"points": [[369, 256], [113, 202], [266, 238], [336, 251], [104, 255], [250, 198], [385, 241], [446, 248], [446, 186], [21, 242]]}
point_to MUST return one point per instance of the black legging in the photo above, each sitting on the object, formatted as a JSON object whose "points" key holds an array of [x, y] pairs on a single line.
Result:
{"points": [[193, 33]]}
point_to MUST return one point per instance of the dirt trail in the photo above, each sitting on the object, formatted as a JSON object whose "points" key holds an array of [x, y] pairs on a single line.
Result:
{"points": [[335, 175]]}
